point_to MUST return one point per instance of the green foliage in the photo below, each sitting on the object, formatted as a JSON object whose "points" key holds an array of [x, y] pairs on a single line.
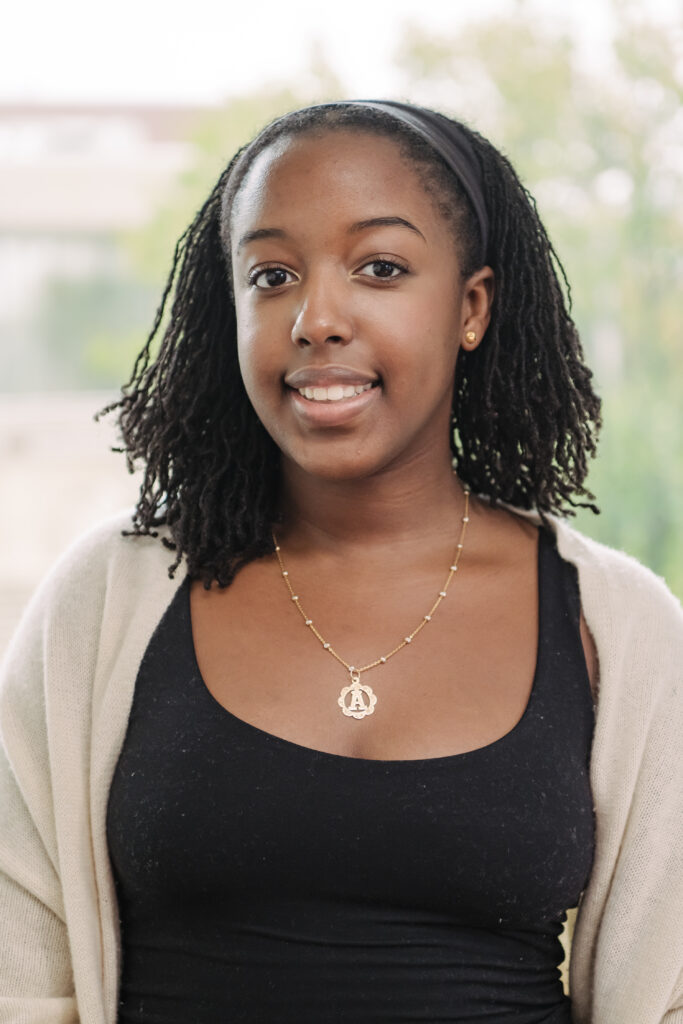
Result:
{"points": [[598, 150], [88, 328], [639, 477]]}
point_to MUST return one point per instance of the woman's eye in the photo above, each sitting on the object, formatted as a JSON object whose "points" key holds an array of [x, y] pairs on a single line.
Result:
{"points": [[382, 269], [270, 277]]}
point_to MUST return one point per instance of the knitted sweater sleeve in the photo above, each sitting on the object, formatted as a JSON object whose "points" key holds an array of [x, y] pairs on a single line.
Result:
{"points": [[627, 953], [66, 687], [36, 977]]}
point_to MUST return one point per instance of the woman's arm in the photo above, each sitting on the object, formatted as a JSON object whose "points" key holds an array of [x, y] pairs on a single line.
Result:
{"points": [[36, 978], [65, 693], [628, 943]]}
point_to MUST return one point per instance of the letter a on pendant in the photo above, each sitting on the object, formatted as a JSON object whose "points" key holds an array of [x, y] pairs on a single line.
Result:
{"points": [[362, 701], [357, 702]]}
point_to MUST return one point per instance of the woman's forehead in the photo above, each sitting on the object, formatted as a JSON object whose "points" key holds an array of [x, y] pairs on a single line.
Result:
{"points": [[323, 172]]}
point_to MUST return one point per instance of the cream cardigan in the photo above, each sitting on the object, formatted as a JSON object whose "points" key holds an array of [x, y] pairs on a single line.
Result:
{"points": [[65, 695]]}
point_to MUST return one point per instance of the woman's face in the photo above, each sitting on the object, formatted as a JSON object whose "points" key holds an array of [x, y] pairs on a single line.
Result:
{"points": [[350, 305]]}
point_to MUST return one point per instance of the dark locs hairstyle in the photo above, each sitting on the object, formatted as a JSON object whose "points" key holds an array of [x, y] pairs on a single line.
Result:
{"points": [[525, 414]]}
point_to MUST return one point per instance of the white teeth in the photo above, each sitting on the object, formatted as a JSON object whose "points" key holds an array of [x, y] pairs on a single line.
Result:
{"points": [[335, 393]]}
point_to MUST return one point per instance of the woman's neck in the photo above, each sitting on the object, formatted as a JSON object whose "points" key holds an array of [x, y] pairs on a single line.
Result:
{"points": [[396, 506]]}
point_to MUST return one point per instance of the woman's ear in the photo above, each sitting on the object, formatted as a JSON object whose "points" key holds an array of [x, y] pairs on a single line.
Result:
{"points": [[478, 295]]}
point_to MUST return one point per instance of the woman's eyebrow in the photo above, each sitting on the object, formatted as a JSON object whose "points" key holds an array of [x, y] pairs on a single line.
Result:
{"points": [[379, 222], [253, 236]]}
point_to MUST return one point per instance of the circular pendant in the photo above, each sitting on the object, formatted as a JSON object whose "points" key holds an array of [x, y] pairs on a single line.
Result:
{"points": [[357, 700]]}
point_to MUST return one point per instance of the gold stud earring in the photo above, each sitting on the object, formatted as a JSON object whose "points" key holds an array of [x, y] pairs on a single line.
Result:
{"points": [[470, 337]]}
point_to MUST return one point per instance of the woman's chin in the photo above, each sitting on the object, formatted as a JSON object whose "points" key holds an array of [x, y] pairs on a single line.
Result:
{"points": [[333, 468]]}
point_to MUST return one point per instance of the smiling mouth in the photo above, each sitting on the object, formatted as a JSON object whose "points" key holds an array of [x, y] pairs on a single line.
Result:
{"points": [[335, 393]]}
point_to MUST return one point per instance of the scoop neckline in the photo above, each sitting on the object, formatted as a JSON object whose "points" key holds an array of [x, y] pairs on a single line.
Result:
{"points": [[313, 752]]}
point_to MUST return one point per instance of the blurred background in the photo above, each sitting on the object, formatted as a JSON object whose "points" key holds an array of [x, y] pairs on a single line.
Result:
{"points": [[116, 121]]}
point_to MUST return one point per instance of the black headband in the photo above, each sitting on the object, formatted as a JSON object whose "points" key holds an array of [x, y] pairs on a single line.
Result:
{"points": [[451, 143]]}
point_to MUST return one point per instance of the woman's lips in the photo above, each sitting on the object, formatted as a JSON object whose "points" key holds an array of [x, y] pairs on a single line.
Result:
{"points": [[328, 376], [335, 412]]}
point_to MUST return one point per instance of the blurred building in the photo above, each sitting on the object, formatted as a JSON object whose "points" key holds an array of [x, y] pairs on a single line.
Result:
{"points": [[72, 179]]}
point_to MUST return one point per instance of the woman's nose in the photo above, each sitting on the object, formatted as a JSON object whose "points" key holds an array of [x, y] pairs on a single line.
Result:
{"points": [[323, 314]]}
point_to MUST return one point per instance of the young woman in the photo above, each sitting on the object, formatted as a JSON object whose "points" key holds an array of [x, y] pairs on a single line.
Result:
{"points": [[342, 763]]}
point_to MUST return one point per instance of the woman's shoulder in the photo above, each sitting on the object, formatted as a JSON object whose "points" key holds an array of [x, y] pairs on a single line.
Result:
{"points": [[631, 614], [102, 579], [107, 555], [606, 573], [111, 540], [635, 621], [615, 576]]}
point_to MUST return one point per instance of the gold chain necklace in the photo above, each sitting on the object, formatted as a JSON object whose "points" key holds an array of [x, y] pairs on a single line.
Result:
{"points": [[362, 699]]}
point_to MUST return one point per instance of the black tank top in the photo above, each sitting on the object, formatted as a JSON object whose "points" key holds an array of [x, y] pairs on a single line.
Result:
{"points": [[263, 881]]}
